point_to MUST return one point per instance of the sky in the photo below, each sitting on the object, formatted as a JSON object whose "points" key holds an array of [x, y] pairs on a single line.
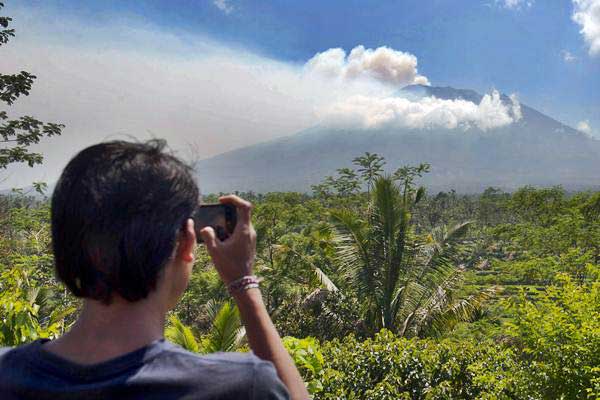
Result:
{"points": [[211, 76]]}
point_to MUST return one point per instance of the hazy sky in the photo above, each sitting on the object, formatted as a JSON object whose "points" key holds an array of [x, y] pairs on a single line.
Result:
{"points": [[215, 75]]}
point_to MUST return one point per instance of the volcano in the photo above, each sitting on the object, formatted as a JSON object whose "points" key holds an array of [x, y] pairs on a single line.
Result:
{"points": [[535, 150]]}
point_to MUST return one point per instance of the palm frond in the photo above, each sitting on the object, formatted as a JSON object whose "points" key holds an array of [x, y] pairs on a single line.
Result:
{"points": [[458, 231], [226, 332], [60, 314], [181, 335], [354, 257], [460, 310], [324, 279]]}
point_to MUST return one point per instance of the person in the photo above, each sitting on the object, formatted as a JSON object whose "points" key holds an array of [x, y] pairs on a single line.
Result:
{"points": [[124, 242]]}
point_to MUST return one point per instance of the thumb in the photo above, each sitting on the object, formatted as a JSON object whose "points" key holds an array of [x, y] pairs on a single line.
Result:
{"points": [[209, 237]]}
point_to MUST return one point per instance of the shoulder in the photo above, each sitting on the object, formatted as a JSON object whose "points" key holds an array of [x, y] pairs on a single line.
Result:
{"points": [[10, 354], [13, 361], [238, 365], [241, 360], [266, 383], [241, 371], [4, 350]]}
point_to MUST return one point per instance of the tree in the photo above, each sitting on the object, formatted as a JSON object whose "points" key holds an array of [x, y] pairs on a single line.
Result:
{"points": [[538, 206], [371, 167], [18, 135], [347, 182], [407, 283], [406, 176], [559, 334], [226, 332]]}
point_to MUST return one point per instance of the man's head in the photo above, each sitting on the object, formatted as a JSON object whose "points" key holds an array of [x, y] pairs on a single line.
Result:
{"points": [[117, 215]]}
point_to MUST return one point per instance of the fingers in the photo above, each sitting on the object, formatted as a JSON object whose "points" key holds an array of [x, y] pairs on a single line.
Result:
{"points": [[244, 208], [189, 228], [210, 238], [235, 200]]}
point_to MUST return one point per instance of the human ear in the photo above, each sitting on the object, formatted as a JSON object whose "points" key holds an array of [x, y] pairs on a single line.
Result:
{"points": [[187, 242]]}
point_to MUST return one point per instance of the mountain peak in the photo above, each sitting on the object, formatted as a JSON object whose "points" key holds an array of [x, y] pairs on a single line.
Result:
{"points": [[536, 150], [442, 92]]}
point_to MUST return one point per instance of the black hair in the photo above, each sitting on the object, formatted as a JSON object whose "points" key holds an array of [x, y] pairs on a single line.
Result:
{"points": [[116, 212]]}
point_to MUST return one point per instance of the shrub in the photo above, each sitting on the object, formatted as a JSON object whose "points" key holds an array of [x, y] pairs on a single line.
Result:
{"points": [[559, 335], [388, 367]]}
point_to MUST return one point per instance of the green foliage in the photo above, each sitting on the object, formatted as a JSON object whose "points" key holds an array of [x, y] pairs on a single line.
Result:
{"points": [[370, 167], [539, 206], [407, 282], [181, 335], [559, 335], [25, 310], [226, 332], [308, 358], [388, 367], [323, 314], [32, 304], [344, 184], [205, 285], [340, 265], [347, 182]]}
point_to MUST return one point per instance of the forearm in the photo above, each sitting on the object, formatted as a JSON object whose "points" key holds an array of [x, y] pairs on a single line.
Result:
{"points": [[266, 343]]}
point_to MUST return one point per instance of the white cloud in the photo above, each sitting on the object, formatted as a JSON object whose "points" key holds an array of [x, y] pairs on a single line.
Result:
{"points": [[568, 57], [110, 81], [383, 64], [515, 107], [128, 78], [224, 6], [424, 113], [587, 14], [383, 108], [516, 4], [585, 127]]}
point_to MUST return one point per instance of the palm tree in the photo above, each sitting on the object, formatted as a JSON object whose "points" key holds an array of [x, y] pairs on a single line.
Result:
{"points": [[407, 283], [226, 332]]}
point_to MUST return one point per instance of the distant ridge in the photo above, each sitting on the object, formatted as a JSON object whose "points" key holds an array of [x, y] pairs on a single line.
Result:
{"points": [[536, 150]]}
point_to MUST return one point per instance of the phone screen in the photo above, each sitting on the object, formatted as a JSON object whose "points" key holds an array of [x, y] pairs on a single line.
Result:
{"points": [[221, 217]]}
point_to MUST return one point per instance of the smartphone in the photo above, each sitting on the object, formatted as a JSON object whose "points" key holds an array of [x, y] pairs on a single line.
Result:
{"points": [[221, 217]]}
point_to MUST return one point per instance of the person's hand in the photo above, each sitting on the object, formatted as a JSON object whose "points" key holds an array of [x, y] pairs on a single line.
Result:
{"points": [[233, 257]]}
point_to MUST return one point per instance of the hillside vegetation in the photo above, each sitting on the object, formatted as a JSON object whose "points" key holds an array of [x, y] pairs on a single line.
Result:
{"points": [[383, 291]]}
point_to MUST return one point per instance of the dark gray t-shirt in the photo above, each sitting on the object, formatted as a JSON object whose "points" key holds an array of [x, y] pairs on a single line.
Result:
{"points": [[160, 370]]}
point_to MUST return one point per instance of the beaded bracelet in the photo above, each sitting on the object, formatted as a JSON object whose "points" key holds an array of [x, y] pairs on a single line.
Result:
{"points": [[242, 284]]}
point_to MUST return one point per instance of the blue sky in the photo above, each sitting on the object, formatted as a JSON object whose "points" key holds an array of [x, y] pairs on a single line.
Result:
{"points": [[467, 43], [254, 52]]}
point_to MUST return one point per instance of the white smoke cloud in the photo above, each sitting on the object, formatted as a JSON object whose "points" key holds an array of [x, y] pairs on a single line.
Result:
{"points": [[392, 69], [516, 4], [585, 127], [515, 107], [383, 64], [425, 113], [223, 5], [128, 78], [587, 14], [568, 57]]}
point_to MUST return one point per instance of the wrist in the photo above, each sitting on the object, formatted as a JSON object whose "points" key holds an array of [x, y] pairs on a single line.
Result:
{"points": [[243, 283], [248, 298]]}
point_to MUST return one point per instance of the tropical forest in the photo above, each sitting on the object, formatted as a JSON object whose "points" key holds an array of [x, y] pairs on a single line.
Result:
{"points": [[381, 284]]}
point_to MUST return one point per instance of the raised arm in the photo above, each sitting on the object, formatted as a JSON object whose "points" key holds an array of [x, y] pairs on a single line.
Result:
{"points": [[234, 258]]}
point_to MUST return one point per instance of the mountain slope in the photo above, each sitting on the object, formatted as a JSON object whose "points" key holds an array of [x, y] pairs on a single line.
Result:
{"points": [[536, 150]]}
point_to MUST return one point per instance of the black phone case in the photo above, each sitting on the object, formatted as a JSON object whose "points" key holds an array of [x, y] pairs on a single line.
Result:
{"points": [[222, 232]]}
